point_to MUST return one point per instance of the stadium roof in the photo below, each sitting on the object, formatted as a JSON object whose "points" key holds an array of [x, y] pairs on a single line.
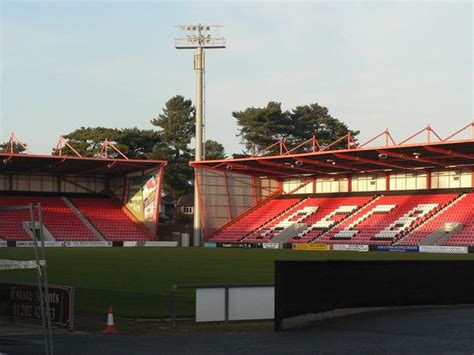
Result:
{"points": [[321, 161], [60, 165]]}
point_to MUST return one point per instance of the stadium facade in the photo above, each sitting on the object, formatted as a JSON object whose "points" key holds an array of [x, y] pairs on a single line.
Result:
{"points": [[83, 199], [417, 192]]}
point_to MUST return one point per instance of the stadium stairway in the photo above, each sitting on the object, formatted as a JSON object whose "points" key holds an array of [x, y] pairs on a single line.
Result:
{"points": [[387, 220], [428, 231], [254, 221], [460, 212], [109, 219], [58, 218], [84, 220], [284, 220], [464, 214], [331, 213]]}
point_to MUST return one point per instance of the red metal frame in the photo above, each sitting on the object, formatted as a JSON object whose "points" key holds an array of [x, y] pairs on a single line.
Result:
{"points": [[11, 144], [254, 189], [280, 144], [388, 137], [62, 142], [63, 179], [57, 157], [254, 169], [371, 161], [332, 165], [198, 181], [462, 130], [280, 168], [228, 195], [303, 184], [428, 131], [213, 169], [314, 144], [412, 158], [448, 152], [159, 178], [105, 149]]}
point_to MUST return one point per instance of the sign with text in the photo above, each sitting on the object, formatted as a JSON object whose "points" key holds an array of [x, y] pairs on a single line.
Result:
{"points": [[396, 248], [271, 245], [23, 301], [142, 199], [443, 249], [350, 247], [316, 247]]}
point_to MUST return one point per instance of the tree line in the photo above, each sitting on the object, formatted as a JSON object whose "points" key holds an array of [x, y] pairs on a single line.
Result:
{"points": [[170, 136]]}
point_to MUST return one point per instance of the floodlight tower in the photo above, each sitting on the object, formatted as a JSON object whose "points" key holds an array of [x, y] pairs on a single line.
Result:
{"points": [[199, 37]]}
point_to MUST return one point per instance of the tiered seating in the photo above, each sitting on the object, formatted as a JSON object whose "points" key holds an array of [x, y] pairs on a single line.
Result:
{"points": [[11, 222], [109, 219], [461, 211], [330, 211], [254, 220], [387, 219], [294, 215], [58, 218], [406, 221]]}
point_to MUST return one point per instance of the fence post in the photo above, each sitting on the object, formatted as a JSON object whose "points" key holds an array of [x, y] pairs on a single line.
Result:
{"points": [[226, 304], [173, 305]]}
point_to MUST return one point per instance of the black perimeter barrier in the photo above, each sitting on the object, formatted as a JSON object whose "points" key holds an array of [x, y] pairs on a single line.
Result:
{"points": [[311, 287]]}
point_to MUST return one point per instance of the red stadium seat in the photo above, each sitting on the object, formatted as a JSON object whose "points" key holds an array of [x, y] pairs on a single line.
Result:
{"points": [[109, 219], [58, 218]]}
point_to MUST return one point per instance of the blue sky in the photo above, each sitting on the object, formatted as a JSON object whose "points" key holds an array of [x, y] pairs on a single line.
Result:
{"points": [[399, 65]]}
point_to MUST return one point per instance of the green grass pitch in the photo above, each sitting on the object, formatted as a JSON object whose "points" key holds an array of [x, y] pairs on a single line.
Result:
{"points": [[137, 281]]}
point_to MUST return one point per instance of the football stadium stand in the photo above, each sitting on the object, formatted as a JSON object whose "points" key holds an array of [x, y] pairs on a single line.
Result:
{"points": [[377, 220], [391, 194], [394, 194], [64, 219], [62, 223], [107, 198]]}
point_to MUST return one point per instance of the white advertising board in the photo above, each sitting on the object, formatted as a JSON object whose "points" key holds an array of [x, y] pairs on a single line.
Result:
{"points": [[69, 244], [245, 303], [350, 247], [30, 244], [443, 249], [98, 244], [151, 243], [271, 245], [210, 304]]}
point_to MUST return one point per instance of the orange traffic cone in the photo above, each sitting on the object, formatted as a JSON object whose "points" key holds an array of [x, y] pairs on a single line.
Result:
{"points": [[110, 327]]}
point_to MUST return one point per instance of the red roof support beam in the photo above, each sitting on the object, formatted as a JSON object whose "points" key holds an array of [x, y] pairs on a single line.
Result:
{"points": [[257, 169], [283, 166], [411, 158], [346, 137], [326, 164], [388, 137], [280, 143], [471, 125], [314, 144], [448, 152], [371, 161], [428, 131]]}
